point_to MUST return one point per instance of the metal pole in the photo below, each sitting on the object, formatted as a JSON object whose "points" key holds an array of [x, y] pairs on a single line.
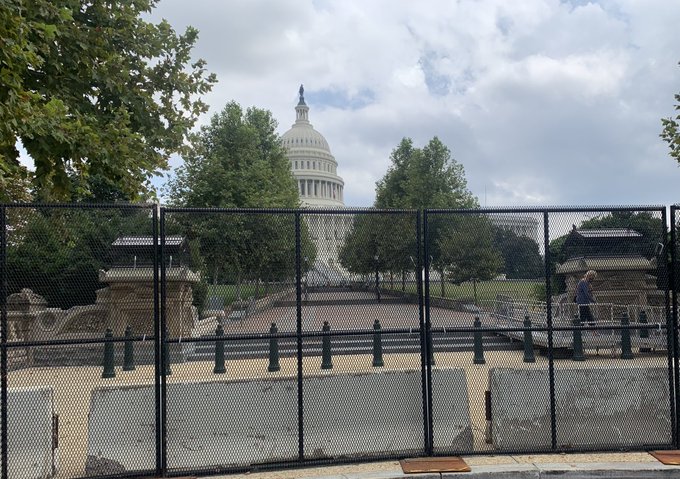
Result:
{"points": [[426, 337], [298, 303], [672, 326], [160, 352], [3, 344], [157, 344], [548, 312]]}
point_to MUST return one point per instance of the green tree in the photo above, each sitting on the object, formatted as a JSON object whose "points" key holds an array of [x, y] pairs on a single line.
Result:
{"points": [[521, 255], [671, 131], [422, 178], [466, 251], [417, 178], [58, 252], [98, 97], [237, 161]]}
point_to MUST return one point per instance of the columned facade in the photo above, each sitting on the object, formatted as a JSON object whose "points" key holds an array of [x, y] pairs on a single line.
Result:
{"points": [[315, 171], [312, 163]]}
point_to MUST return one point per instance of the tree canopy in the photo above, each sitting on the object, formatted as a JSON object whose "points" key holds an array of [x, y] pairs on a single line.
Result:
{"points": [[420, 178], [98, 97], [237, 161], [671, 131]]}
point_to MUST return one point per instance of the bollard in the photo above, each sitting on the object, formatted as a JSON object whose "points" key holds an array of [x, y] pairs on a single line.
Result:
{"points": [[377, 345], [273, 350], [430, 348], [626, 350], [109, 370], [528, 342], [219, 351], [326, 362], [644, 333], [478, 346], [578, 340], [166, 353], [129, 351]]}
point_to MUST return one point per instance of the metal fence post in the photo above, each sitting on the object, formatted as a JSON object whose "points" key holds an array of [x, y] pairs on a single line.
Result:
{"points": [[160, 333], [674, 363], [426, 337], [548, 310], [298, 304], [3, 344]]}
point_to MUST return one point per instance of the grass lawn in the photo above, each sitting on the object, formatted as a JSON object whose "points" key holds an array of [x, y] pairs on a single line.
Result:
{"points": [[228, 291], [486, 290]]}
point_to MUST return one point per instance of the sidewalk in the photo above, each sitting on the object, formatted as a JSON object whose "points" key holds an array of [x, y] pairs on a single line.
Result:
{"points": [[566, 466]]}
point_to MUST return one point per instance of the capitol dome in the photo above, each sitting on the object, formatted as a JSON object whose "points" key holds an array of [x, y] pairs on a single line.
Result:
{"points": [[314, 167]]}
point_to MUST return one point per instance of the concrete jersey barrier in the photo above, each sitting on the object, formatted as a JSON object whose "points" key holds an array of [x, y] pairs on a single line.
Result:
{"points": [[31, 448], [244, 422], [595, 407]]}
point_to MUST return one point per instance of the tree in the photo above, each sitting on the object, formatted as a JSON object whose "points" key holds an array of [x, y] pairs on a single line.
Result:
{"points": [[58, 252], [237, 161], [98, 97], [467, 251], [417, 178], [521, 255], [423, 178], [671, 131]]}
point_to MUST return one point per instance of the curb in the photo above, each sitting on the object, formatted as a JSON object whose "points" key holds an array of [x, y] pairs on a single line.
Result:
{"points": [[586, 470]]}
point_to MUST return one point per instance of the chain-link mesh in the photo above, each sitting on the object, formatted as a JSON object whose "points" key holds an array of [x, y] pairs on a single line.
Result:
{"points": [[306, 336], [614, 388], [363, 389], [486, 276], [226, 406], [75, 278]]}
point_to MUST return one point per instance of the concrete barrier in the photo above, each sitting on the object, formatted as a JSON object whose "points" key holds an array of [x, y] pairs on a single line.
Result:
{"points": [[451, 427], [31, 448], [243, 422], [595, 407]]}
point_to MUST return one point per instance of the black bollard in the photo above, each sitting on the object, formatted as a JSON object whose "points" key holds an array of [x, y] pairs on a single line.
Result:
{"points": [[528, 342], [626, 349], [109, 370], [273, 350], [377, 345], [578, 340], [166, 353], [129, 351], [326, 362], [430, 348], [219, 351], [478, 346], [644, 333]]}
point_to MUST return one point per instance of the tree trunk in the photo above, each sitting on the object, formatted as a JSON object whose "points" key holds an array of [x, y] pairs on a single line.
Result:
{"points": [[441, 282], [403, 281]]}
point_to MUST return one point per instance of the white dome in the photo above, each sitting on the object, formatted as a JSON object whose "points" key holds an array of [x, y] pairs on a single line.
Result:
{"points": [[304, 136], [313, 166]]}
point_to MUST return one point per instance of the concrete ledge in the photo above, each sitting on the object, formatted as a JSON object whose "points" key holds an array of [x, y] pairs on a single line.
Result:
{"points": [[30, 431], [624, 407]]}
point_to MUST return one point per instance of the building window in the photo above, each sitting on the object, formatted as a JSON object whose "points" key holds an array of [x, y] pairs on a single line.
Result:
{"points": [[307, 164]]}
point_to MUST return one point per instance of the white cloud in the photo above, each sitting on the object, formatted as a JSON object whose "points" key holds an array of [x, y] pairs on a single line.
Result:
{"points": [[542, 101]]}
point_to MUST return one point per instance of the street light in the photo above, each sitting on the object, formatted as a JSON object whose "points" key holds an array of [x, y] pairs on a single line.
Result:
{"points": [[377, 286]]}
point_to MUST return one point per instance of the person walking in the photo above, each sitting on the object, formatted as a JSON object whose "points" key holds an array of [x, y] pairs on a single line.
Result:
{"points": [[584, 297]]}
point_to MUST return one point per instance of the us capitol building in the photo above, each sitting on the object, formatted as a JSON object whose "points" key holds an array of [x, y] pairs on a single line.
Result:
{"points": [[315, 171]]}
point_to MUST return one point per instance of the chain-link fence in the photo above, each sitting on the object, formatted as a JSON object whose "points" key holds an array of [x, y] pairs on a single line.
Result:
{"points": [[168, 341]]}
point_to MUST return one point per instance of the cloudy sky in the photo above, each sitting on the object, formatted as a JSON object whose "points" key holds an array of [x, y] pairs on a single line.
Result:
{"points": [[544, 102]]}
